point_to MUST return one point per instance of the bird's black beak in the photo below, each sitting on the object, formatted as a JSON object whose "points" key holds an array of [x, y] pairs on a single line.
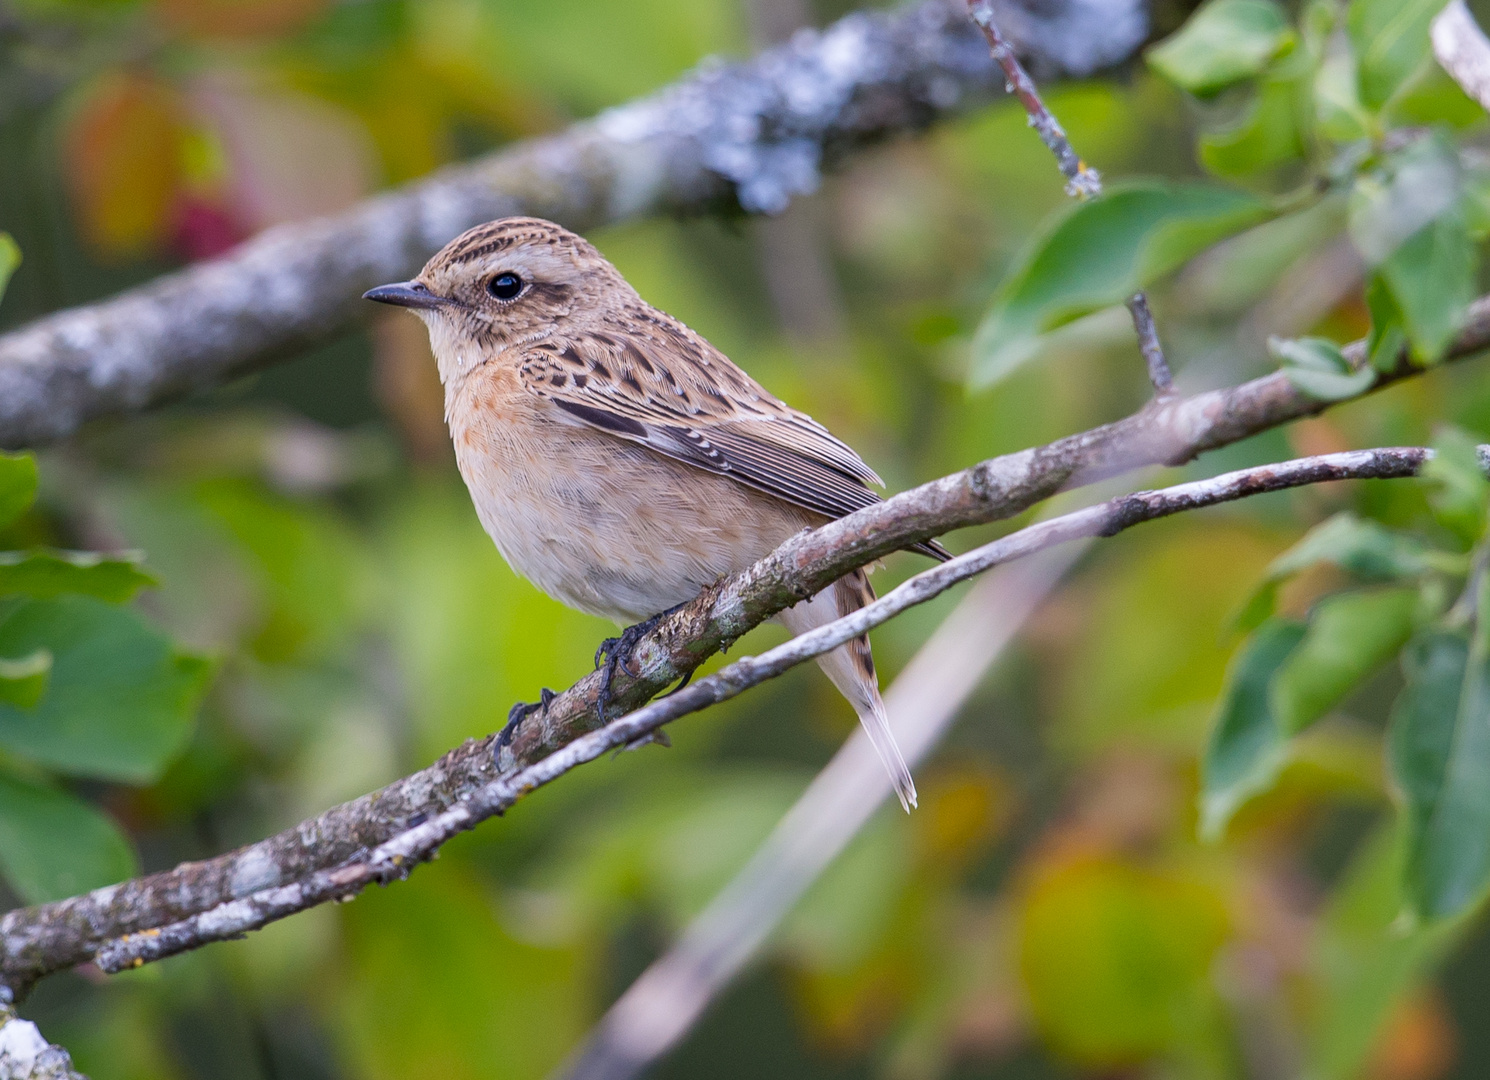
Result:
{"points": [[411, 294]]}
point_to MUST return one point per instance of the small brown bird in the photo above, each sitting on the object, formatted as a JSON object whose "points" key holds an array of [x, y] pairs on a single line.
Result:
{"points": [[621, 462]]}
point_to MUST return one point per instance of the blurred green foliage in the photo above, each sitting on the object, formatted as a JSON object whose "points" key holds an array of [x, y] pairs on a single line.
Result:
{"points": [[1299, 680], [87, 688]]}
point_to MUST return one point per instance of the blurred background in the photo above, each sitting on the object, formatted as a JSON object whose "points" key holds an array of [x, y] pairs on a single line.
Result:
{"points": [[1048, 912]]}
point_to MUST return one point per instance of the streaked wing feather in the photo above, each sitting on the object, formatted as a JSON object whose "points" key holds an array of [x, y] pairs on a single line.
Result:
{"points": [[666, 388]]}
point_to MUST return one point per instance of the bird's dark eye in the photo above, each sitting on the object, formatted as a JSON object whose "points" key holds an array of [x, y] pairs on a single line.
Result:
{"points": [[505, 286]]}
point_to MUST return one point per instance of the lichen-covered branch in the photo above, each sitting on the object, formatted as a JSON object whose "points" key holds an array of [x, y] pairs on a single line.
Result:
{"points": [[418, 843], [756, 133], [1082, 181], [36, 941], [25, 1053]]}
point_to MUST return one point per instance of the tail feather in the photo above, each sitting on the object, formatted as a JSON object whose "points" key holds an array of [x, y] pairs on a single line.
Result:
{"points": [[851, 668]]}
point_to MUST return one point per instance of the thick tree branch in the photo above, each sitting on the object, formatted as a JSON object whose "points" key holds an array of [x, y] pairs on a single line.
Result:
{"points": [[39, 940], [755, 133], [397, 857]]}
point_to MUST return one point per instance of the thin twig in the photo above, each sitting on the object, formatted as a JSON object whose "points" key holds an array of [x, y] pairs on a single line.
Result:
{"points": [[396, 858], [50, 937], [1082, 181], [1148, 344]]}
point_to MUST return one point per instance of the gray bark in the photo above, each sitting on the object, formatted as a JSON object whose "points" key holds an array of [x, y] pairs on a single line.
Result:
{"points": [[756, 134]]}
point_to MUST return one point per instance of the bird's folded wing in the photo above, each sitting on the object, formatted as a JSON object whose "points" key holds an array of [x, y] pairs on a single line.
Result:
{"points": [[669, 390]]}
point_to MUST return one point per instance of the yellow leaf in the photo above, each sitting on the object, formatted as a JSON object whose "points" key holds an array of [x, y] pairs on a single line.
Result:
{"points": [[121, 156], [1114, 959]]}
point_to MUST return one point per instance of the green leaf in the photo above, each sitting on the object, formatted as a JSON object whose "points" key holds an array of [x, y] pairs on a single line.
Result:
{"points": [[1115, 959], [1408, 220], [1350, 636], [1457, 488], [1431, 278], [121, 700], [10, 258], [1431, 96], [53, 845], [1408, 190], [1097, 254], [1361, 548], [1439, 747], [1390, 38], [24, 680], [1476, 205], [1366, 960], [1271, 132], [1247, 746], [1337, 105], [1387, 340], [17, 485], [1223, 43], [1317, 367], [44, 574]]}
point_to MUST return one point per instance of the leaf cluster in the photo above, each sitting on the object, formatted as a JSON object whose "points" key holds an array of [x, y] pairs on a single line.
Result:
{"points": [[88, 690]]}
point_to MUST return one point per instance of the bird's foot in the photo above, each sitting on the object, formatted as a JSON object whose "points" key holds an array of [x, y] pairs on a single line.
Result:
{"points": [[616, 652], [521, 711]]}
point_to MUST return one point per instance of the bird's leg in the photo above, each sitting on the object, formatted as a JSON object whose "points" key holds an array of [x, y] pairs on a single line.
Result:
{"points": [[615, 652], [521, 712]]}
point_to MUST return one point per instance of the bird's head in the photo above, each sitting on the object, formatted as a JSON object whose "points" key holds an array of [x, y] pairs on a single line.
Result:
{"points": [[505, 283]]}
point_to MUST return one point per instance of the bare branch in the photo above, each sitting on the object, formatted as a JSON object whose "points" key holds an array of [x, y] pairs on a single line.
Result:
{"points": [[37, 941], [396, 858], [756, 133], [1148, 344], [1082, 181]]}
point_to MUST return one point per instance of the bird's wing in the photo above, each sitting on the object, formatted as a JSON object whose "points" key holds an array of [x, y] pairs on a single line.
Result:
{"points": [[661, 385]]}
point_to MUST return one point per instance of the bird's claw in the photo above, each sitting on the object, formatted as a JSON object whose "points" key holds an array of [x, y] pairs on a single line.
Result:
{"points": [[616, 652], [521, 711]]}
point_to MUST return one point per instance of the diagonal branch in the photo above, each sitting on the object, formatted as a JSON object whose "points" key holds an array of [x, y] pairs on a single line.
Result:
{"points": [[1082, 181], [397, 857], [756, 134], [39, 940], [659, 1009]]}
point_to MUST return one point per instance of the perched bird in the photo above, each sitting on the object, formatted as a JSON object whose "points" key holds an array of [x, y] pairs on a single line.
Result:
{"points": [[619, 461]]}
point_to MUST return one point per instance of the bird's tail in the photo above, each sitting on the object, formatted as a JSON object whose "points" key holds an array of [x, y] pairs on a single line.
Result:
{"points": [[851, 667]]}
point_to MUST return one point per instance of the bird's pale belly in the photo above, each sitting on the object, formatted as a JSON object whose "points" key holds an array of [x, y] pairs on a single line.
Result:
{"points": [[612, 528]]}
